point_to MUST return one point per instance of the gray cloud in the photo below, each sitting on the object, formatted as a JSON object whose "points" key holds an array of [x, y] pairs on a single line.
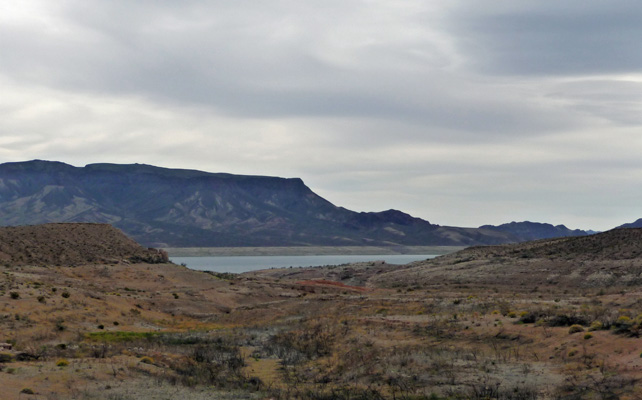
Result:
{"points": [[550, 38], [256, 61], [460, 113]]}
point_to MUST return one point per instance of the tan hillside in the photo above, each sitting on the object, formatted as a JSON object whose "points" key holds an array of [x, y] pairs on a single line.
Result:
{"points": [[612, 258], [475, 325], [617, 244], [71, 244]]}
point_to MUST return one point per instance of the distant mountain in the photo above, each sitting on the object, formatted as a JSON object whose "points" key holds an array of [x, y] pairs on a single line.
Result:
{"points": [[524, 231], [163, 207], [636, 224]]}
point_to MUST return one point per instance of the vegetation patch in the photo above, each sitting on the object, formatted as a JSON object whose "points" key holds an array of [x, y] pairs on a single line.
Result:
{"points": [[121, 336]]}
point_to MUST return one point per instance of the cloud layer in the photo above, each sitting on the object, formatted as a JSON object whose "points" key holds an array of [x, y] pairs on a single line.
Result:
{"points": [[462, 114]]}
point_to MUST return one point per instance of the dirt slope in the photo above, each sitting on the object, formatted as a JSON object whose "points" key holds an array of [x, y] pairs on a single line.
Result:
{"points": [[612, 258], [616, 244], [71, 244]]}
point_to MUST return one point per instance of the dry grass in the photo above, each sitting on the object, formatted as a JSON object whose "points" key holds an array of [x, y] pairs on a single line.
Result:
{"points": [[270, 335]]}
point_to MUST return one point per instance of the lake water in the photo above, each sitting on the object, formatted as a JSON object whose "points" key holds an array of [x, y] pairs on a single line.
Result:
{"points": [[239, 264]]}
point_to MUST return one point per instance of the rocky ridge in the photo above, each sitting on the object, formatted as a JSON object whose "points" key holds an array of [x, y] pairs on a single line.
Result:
{"points": [[163, 207]]}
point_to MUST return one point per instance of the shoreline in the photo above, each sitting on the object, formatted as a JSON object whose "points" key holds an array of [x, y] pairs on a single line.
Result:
{"points": [[308, 251]]}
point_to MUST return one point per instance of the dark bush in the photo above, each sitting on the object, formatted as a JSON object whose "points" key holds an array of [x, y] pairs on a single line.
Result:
{"points": [[568, 320]]}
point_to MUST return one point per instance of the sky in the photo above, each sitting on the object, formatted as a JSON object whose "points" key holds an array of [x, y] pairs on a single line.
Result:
{"points": [[462, 113]]}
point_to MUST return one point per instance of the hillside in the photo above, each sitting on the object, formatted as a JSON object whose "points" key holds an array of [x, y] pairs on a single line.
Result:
{"points": [[616, 244], [525, 231], [636, 224], [162, 207], [71, 244], [478, 324], [612, 258]]}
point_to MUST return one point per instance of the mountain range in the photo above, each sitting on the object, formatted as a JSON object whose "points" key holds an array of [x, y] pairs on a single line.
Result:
{"points": [[164, 207]]}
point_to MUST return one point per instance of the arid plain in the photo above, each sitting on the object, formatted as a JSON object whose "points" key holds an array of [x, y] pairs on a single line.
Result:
{"points": [[88, 314]]}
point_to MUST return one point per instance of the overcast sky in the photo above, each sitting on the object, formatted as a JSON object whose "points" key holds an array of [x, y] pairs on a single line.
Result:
{"points": [[460, 112]]}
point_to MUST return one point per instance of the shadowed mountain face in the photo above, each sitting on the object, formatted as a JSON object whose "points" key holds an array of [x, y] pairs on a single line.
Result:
{"points": [[170, 207], [525, 231], [636, 224]]}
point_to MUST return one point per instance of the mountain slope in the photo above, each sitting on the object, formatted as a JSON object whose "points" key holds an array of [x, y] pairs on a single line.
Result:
{"points": [[172, 207], [525, 231], [612, 258], [636, 224]]}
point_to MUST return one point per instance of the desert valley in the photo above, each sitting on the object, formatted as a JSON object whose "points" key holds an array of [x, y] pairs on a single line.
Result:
{"points": [[86, 313], [320, 200]]}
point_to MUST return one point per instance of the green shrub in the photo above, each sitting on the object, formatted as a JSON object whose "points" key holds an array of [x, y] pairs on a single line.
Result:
{"points": [[147, 360], [60, 325], [587, 336], [5, 357], [575, 328], [62, 363], [65, 294], [121, 336], [596, 326], [27, 391], [14, 295]]}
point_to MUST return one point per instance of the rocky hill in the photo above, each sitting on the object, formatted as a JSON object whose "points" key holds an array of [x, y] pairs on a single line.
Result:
{"points": [[612, 258], [616, 244], [162, 207], [71, 244]]}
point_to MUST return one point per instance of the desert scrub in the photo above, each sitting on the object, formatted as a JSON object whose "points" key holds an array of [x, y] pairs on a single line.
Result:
{"points": [[623, 320], [14, 295], [529, 318], [218, 364], [120, 336], [575, 329], [27, 391], [587, 336], [62, 363], [5, 357], [65, 294], [60, 325], [596, 326], [147, 360]]}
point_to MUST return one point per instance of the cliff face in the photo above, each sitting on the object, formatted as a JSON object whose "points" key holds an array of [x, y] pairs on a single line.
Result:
{"points": [[170, 207]]}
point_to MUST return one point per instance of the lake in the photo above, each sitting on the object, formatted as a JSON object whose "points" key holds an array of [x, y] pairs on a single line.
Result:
{"points": [[239, 264]]}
